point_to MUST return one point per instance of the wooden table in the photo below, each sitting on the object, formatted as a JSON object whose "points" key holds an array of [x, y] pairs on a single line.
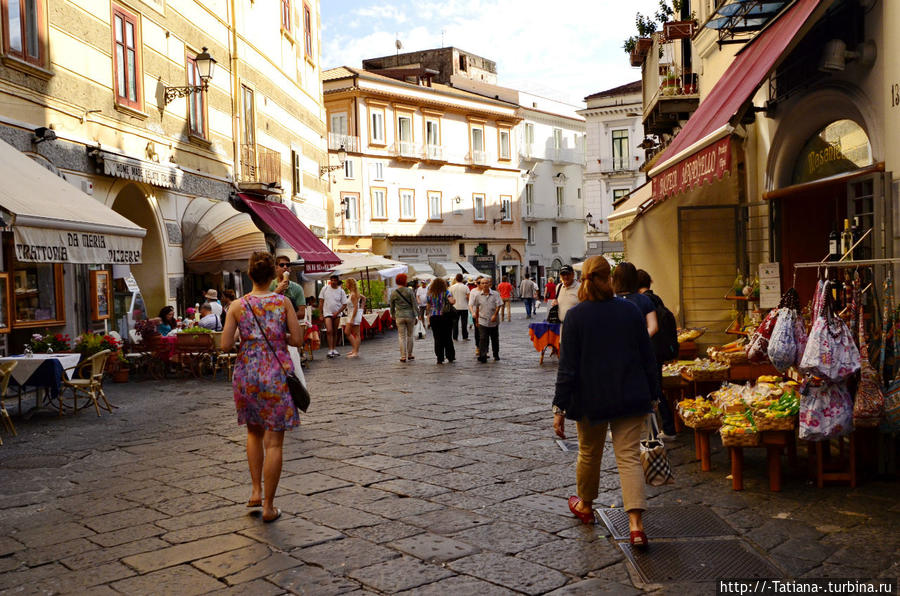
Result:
{"points": [[748, 371], [775, 442]]}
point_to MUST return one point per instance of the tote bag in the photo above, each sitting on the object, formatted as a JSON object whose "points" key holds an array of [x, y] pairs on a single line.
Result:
{"points": [[831, 353], [654, 460], [826, 411]]}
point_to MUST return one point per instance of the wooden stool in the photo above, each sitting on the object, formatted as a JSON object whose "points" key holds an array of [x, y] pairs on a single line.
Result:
{"points": [[843, 470]]}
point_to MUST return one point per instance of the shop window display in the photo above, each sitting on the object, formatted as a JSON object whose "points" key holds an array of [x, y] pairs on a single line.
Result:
{"points": [[36, 292]]}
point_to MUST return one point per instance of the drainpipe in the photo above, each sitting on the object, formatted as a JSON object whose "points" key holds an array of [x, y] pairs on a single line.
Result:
{"points": [[235, 93]]}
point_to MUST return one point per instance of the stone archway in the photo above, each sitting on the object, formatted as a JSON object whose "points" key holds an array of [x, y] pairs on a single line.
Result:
{"points": [[132, 202]]}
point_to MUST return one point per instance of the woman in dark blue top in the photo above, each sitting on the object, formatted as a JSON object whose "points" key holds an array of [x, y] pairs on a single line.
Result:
{"points": [[625, 283], [606, 378]]}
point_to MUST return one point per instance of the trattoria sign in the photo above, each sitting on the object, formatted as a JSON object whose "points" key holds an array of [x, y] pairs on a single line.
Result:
{"points": [[703, 167], [45, 245]]}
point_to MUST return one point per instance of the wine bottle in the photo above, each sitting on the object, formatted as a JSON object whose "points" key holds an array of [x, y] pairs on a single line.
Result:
{"points": [[846, 241], [834, 245]]}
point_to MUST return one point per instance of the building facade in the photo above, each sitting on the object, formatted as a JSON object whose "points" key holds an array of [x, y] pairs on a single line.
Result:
{"points": [[614, 160], [100, 76], [430, 176]]}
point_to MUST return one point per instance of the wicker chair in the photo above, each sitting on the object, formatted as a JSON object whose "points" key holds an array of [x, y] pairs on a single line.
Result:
{"points": [[6, 369], [92, 386]]}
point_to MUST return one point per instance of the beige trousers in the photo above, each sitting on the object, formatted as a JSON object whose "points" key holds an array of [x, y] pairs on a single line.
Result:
{"points": [[405, 329], [626, 435]]}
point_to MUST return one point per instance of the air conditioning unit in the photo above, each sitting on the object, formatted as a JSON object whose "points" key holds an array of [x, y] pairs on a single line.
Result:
{"points": [[87, 187]]}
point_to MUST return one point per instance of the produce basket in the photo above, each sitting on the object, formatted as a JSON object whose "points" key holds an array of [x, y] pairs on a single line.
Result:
{"points": [[699, 414], [740, 439], [764, 422], [690, 334], [706, 375]]}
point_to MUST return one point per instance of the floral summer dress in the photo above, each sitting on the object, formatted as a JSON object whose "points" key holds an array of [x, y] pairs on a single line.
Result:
{"points": [[261, 394]]}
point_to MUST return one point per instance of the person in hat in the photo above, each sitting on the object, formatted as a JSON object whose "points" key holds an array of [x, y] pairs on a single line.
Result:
{"points": [[566, 291], [212, 297], [333, 301]]}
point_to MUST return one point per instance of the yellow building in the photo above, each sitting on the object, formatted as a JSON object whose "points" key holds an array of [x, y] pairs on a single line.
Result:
{"points": [[133, 123]]}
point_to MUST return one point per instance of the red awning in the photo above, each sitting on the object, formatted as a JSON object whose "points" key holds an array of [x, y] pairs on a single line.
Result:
{"points": [[283, 222], [746, 73]]}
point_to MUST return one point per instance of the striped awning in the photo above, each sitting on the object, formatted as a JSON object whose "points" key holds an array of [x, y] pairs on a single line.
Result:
{"points": [[218, 237]]}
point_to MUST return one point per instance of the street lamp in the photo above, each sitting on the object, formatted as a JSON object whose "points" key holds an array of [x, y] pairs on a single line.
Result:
{"points": [[204, 64], [502, 215], [342, 157], [589, 219]]}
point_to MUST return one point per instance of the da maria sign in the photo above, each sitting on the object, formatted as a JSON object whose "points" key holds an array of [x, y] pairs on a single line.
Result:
{"points": [[44, 245], [708, 164]]}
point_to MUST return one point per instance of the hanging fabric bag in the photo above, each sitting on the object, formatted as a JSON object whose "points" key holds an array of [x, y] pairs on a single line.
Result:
{"points": [[782, 345], [826, 411], [868, 407], [831, 352]]}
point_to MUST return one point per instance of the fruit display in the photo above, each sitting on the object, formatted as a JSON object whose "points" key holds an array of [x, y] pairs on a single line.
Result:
{"points": [[685, 335], [738, 430], [704, 369], [700, 413], [778, 414], [731, 353], [729, 398]]}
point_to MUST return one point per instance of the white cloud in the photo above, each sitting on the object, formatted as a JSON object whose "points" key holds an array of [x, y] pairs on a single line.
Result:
{"points": [[566, 48]]}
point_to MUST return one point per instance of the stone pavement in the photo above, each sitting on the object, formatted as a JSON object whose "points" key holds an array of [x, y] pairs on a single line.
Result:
{"points": [[403, 478]]}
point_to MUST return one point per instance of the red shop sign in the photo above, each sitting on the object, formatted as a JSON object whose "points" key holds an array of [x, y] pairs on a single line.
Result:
{"points": [[706, 165]]}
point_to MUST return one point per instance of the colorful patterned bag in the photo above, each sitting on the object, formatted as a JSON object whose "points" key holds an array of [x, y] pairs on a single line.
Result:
{"points": [[826, 411], [758, 349], [783, 345], [868, 406], [831, 352]]}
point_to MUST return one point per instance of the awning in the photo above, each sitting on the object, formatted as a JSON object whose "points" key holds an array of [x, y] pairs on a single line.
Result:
{"points": [[357, 263], [284, 223], [420, 271], [710, 123], [446, 268], [218, 237], [627, 210], [468, 267], [54, 222]]}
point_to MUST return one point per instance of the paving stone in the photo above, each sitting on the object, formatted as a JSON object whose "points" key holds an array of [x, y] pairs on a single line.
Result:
{"points": [[398, 574], [54, 552], [357, 474], [203, 517], [541, 502], [459, 584], [442, 460], [573, 557], [413, 471], [378, 463], [8, 545], [342, 518], [411, 488], [433, 547], [499, 492], [447, 521], [809, 550], [399, 507], [386, 532], [341, 556], [151, 495], [596, 585], [214, 529], [122, 519], [125, 535], [287, 534], [314, 482], [541, 520], [182, 553], [460, 480], [504, 537], [353, 495], [47, 535], [233, 561], [92, 504], [305, 579], [95, 557], [183, 580], [461, 501], [76, 581], [30, 576], [191, 504], [511, 572]]}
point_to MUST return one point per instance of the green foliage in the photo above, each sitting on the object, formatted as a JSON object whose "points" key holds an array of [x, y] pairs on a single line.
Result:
{"points": [[88, 344], [196, 329], [373, 290], [49, 342]]}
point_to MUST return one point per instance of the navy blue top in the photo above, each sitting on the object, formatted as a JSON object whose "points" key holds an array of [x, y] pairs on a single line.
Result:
{"points": [[607, 368], [644, 303]]}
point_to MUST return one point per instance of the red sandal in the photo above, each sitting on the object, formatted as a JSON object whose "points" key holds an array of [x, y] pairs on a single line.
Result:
{"points": [[639, 540], [586, 518]]}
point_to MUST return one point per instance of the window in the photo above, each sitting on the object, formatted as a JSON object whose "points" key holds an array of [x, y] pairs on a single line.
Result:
{"points": [[462, 250], [504, 143], [478, 207], [506, 208], [377, 170], [307, 32], [339, 123], [348, 169], [476, 140], [433, 139], [377, 129], [529, 134], [530, 234], [296, 173], [554, 235], [23, 27], [618, 193], [407, 204], [196, 101], [462, 62], [379, 203], [557, 138], [529, 199], [620, 149], [37, 294], [434, 206], [560, 197], [578, 193], [286, 15], [405, 133], [249, 124], [126, 58]]}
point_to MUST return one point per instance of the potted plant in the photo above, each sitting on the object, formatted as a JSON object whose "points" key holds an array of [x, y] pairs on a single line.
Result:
{"points": [[121, 371], [49, 342]]}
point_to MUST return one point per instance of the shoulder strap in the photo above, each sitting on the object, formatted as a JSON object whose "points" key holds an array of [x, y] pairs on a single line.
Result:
{"points": [[263, 331], [407, 300]]}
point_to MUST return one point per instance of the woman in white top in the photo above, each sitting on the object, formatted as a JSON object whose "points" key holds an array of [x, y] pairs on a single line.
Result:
{"points": [[355, 308]]}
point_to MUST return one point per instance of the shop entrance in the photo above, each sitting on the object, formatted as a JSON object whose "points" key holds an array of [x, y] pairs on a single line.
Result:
{"points": [[150, 274]]}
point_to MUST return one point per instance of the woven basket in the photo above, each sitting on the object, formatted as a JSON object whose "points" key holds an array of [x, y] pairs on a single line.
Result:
{"points": [[699, 424], [762, 423], [705, 375], [741, 440]]}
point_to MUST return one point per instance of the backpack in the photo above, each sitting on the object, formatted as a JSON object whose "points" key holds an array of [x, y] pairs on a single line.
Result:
{"points": [[665, 341]]}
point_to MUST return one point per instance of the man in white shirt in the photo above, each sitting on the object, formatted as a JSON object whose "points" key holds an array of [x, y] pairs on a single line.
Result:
{"points": [[212, 298], [333, 302], [528, 291], [422, 300], [487, 310], [567, 291], [473, 294], [460, 292], [208, 320]]}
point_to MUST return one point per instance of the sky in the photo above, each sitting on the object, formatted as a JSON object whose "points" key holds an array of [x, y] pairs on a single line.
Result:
{"points": [[563, 49]]}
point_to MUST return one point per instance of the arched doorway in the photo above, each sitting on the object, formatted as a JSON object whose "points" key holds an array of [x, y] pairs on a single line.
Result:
{"points": [[132, 202]]}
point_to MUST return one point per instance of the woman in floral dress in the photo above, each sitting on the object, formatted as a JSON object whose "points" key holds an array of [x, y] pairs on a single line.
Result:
{"points": [[261, 394]]}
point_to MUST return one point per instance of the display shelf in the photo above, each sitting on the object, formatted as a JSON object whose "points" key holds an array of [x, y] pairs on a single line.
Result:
{"points": [[743, 298]]}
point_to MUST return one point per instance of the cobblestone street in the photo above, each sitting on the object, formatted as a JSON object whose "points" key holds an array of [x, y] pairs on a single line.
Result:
{"points": [[417, 477]]}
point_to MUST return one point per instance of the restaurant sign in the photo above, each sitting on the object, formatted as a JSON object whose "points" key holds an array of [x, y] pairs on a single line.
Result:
{"points": [[44, 245], [148, 172], [706, 165]]}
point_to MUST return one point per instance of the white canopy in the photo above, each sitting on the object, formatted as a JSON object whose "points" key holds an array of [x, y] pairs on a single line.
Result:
{"points": [[421, 271], [446, 269], [355, 263], [468, 268]]}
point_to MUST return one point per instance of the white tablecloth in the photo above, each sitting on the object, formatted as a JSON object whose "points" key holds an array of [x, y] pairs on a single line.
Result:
{"points": [[26, 367]]}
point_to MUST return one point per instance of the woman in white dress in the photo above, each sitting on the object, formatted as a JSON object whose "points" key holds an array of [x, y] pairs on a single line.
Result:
{"points": [[355, 309]]}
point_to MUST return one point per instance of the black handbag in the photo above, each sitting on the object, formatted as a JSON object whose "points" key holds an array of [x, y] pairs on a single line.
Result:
{"points": [[553, 314], [298, 391]]}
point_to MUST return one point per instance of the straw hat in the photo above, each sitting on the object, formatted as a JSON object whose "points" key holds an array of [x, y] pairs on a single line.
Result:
{"points": [[212, 294]]}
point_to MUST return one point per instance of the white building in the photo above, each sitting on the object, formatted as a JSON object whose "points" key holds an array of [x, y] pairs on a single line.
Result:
{"points": [[614, 158]]}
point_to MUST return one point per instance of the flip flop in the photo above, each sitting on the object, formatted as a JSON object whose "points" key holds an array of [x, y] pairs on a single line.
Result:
{"points": [[256, 503], [586, 518], [276, 516]]}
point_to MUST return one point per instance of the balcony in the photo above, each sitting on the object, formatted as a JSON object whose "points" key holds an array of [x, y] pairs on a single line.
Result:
{"points": [[434, 153], [527, 152], [565, 212], [478, 159], [565, 155], [349, 143], [622, 165], [670, 90], [260, 168], [407, 151]]}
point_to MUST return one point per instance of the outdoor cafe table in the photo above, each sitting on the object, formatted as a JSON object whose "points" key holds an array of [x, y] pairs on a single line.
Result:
{"points": [[42, 371], [545, 335]]}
